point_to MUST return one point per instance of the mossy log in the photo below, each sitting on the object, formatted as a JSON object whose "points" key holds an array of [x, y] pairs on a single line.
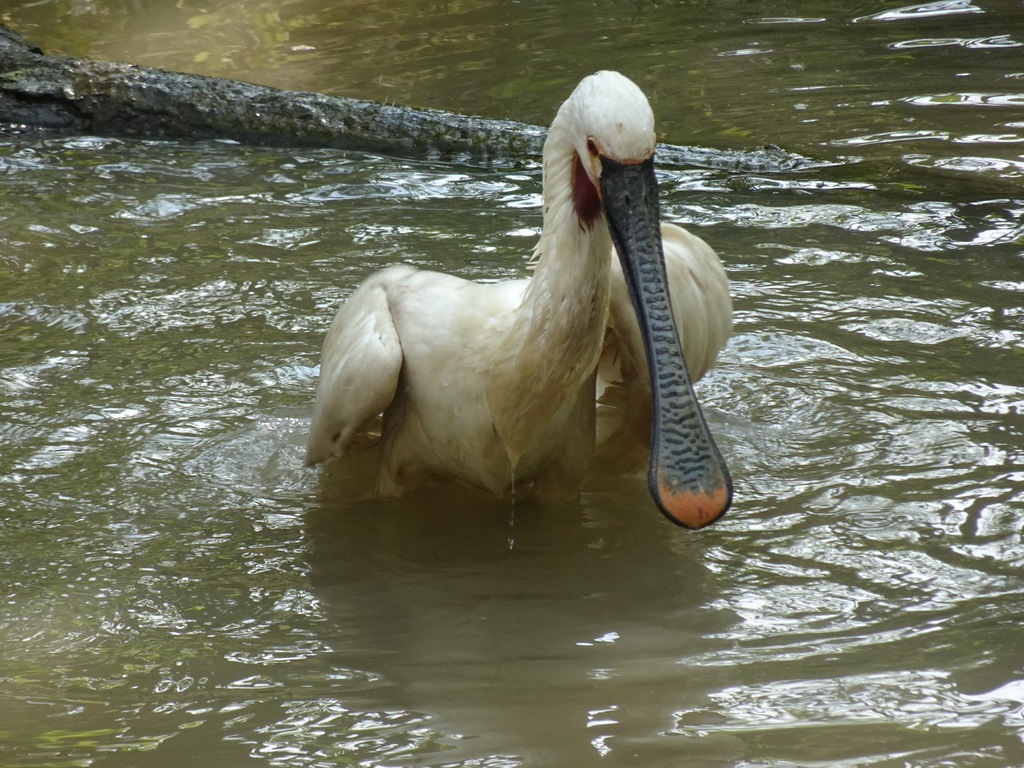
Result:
{"points": [[40, 93]]}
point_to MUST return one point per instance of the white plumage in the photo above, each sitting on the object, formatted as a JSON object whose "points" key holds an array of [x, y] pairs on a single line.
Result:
{"points": [[514, 384]]}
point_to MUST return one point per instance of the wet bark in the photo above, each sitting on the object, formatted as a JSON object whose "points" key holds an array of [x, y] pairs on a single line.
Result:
{"points": [[40, 93]]}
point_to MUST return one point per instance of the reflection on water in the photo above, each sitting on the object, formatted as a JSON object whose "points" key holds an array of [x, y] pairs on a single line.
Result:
{"points": [[513, 628], [181, 591]]}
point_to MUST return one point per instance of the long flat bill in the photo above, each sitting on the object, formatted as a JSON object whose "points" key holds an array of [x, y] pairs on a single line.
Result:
{"points": [[687, 475]]}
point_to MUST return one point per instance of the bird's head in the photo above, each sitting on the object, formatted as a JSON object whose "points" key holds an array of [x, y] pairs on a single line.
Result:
{"points": [[607, 119]]}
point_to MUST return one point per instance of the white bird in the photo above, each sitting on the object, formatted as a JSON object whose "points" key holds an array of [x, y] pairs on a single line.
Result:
{"points": [[512, 385]]}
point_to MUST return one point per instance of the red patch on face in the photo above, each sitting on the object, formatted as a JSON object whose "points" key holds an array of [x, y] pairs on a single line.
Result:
{"points": [[586, 200]]}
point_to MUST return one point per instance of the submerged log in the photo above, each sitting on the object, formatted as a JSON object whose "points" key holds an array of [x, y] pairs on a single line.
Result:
{"points": [[83, 96], [69, 96]]}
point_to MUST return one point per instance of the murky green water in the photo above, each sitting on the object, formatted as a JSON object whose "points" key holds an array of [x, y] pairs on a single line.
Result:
{"points": [[180, 591]]}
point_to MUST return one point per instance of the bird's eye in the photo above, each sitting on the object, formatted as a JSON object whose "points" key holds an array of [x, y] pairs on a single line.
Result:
{"points": [[592, 148]]}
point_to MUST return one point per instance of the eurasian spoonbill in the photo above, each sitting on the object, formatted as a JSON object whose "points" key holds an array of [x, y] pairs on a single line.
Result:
{"points": [[512, 385]]}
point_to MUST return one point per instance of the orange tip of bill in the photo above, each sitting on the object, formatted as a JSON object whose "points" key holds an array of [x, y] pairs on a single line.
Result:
{"points": [[693, 509]]}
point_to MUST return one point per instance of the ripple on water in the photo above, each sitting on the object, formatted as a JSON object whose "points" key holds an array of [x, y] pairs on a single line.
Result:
{"points": [[177, 572], [924, 10]]}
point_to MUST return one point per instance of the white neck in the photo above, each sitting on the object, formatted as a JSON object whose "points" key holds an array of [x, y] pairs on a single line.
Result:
{"points": [[553, 344]]}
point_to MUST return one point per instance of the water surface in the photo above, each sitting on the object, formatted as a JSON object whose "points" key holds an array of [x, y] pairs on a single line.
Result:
{"points": [[181, 591]]}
